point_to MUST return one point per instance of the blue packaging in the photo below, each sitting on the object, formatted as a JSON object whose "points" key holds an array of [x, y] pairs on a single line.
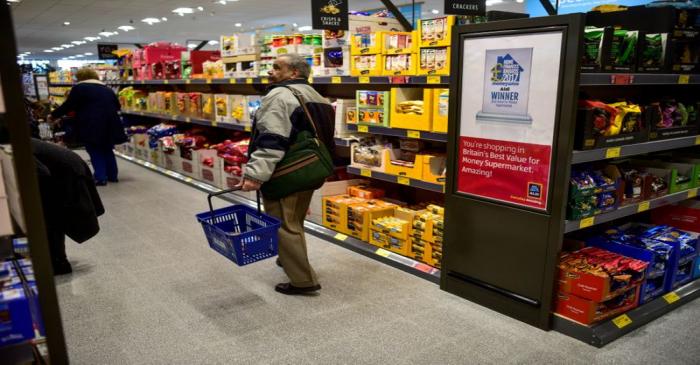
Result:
{"points": [[15, 317]]}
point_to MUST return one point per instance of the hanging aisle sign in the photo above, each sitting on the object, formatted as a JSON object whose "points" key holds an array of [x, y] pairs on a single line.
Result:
{"points": [[465, 7], [330, 14], [508, 117]]}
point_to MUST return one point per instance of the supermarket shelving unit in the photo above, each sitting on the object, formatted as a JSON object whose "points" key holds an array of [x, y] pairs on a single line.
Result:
{"points": [[14, 130], [337, 86], [487, 218]]}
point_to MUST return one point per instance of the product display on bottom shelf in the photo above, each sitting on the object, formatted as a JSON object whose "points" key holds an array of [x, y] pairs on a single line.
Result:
{"points": [[19, 305]]}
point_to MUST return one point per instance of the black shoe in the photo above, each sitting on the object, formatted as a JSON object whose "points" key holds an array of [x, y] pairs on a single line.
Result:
{"points": [[100, 183], [289, 289], [62, 267], [278, 262], [113, 180]]}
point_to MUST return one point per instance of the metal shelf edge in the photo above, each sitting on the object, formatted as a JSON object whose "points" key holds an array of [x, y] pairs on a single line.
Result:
{"points": [[404, 133], [392, 259], [394, 179], [606, 332], [628, 210], [583, 156], [179, 118]]}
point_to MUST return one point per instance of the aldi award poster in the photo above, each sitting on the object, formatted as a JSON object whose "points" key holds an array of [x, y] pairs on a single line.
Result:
{"points": [[510, 88]]}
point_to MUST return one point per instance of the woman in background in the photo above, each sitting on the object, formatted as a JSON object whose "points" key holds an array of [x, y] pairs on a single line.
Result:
{"points": [[97, 122]]}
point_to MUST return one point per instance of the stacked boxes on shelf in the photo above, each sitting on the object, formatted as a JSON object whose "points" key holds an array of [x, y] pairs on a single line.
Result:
{"points": [[240, 55], [669, 252], [361, 213], [373, 107], [427, 235], [595, 284], [159, 60], [435, 36]]}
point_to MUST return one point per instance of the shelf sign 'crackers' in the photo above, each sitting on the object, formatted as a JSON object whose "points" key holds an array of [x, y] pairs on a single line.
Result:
{"points": [[465, 7], [330, 14], [507, 117]]}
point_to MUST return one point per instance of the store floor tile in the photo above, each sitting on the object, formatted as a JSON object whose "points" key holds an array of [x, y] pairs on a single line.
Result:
{"points": [[149, 290]]}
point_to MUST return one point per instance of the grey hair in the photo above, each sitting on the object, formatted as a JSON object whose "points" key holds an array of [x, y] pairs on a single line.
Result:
{"points": [[298, 63]]}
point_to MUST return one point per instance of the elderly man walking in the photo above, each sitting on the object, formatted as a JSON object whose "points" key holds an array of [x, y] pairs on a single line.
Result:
{"points": [[278, 122]]}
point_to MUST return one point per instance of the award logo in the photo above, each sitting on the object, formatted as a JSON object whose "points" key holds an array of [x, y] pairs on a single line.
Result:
{"points": [[506, 86]]}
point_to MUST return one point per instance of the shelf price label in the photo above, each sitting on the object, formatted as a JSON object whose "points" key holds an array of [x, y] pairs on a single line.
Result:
{"points": [[311, 79], [621, 79], [683, 79], [249, 80], [366, 173], [382, 252], [143, 82], [232, 81], [622, 321], [336, 80], [166, 82], [363, 129], [433, 80], [413, 134], [613, 152], [188, 81], [692, 193], [671, 297], [403, 180], [697, 140], [214, 123], [586, 222], [248, 128], [643, 206], [264, 80], [340, 237], [364, 80]]}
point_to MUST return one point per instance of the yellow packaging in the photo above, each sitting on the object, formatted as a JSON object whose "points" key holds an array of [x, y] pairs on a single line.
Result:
{"points": [[400, 64], [434, 61], [366, 65], [360, 216], [366, 43], [400, 117], [441, 107], [435, 32], [399, 42], [335, 211], [434, 169], [221, 107], [389, 242], [413, 171]]}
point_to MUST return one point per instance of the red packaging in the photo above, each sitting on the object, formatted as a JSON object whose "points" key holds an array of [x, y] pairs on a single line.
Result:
{"points": [[588, 311], [596, 285], [684, 216]]}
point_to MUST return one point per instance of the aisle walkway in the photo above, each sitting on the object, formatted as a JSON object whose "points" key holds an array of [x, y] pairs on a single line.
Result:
{"points": [[148, 290]]}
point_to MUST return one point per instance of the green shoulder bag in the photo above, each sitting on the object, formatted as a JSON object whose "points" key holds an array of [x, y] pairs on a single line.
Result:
{"points": [[305, 166]]}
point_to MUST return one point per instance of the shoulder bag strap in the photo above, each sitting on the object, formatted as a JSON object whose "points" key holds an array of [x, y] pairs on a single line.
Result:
{"points": [[300, 99]]}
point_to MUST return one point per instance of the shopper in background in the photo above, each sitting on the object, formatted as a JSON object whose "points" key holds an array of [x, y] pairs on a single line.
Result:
{"points": [[98, 125], [277, 122], [69, 200]]}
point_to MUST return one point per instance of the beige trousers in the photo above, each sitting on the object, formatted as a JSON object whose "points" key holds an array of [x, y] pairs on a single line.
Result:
{"points": [[291, 211]]}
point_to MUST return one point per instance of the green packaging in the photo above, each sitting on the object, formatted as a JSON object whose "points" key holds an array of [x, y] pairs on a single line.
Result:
{"points": [[652, 54], [623, 50], [592, 44]]}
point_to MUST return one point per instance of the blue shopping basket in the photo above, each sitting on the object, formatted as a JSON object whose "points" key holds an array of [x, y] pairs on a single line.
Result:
{"points": [[240, 233]]}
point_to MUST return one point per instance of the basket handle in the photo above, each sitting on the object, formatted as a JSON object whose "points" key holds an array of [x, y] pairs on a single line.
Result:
{"points": [[222, 192]]}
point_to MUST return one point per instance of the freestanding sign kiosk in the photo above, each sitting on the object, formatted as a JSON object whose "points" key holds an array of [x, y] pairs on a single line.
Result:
{"points": [[512, 115]]}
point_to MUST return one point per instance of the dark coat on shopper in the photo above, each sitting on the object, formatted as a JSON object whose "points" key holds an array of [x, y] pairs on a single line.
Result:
{"points": [[69, 195], [96, 107]]}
